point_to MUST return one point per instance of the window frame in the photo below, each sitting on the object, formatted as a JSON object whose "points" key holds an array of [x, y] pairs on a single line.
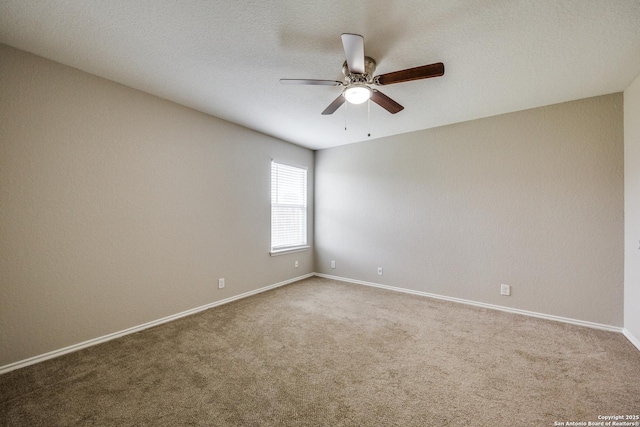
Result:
{"points": [[303, 244]]}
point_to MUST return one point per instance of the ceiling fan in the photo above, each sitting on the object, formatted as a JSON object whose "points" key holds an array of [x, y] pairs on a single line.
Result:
{"points": [[358, 78]]}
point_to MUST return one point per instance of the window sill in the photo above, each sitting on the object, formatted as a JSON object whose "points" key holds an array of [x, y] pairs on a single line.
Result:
{"points": [[277, 252]]}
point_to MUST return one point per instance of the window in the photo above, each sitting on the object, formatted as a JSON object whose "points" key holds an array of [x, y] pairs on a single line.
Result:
{"points": [[288, 208]]}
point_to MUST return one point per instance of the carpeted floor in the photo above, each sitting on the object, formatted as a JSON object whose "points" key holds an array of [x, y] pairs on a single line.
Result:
{"points": [[327, 353]]}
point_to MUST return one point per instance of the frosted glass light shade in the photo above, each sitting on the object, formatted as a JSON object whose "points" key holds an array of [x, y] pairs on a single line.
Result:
{"points": [[357, 94]]}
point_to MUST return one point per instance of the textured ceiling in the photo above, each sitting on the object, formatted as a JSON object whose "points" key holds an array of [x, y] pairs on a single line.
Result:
{"points": [[225, 58]]}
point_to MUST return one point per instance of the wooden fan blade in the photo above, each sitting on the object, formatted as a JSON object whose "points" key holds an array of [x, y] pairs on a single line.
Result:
{"points": [[385, 102], [311, 82], [334, 105], [417, 73], [354, 51]]}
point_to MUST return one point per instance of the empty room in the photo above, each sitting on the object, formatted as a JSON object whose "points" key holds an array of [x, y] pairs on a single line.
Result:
{"points": [[380, 213]]}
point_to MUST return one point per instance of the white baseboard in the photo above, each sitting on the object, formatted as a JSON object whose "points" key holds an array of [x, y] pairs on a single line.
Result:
{"points": [[55, 353], [481, 304], [75, 347], [635, 341]]}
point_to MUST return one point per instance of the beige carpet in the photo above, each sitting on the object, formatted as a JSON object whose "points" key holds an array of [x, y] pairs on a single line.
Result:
{"points": [[326, 353]]}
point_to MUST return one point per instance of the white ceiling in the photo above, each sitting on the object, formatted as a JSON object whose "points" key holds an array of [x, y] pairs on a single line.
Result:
{"points": [[225, 58]]}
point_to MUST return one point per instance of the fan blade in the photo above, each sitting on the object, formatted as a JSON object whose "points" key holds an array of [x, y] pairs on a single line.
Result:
{"points": [[311, 82], [354, 51], [417, 73], [334, 105], [385, 102]]}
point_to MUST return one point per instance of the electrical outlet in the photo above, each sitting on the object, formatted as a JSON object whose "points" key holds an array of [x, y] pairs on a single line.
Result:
{"points": [[505, 290], [296, 264], [333, 264], [379, 271], [221, 283]]}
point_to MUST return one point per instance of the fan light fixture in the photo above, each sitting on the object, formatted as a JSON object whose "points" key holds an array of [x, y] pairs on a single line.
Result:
{"points": [[357, 93]]}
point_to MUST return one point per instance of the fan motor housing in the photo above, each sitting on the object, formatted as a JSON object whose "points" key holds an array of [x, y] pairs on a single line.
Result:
{"points": [[369, 69]]}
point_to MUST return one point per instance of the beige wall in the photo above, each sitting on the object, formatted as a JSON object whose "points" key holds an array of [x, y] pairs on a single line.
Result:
{"points": [[119, 208], [632, 209], [533, 199]]}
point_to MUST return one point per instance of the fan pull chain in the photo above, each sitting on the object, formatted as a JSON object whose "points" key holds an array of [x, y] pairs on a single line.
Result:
{"points": [[369, 117], [345, 115]]}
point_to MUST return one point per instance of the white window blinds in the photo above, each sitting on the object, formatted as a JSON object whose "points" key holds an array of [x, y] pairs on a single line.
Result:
{"points": [[288, 207]]}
